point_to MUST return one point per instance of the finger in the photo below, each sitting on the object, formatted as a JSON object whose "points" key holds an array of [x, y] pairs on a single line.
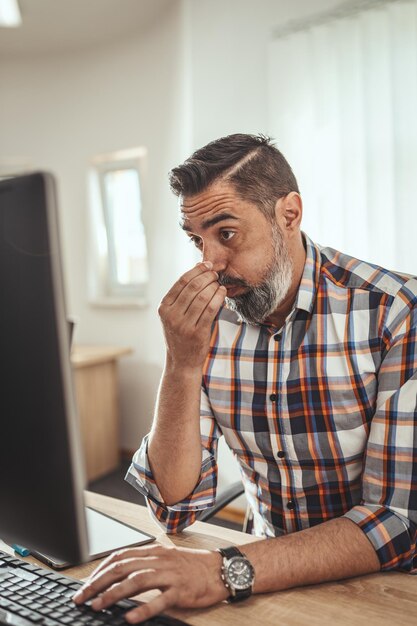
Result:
{"points": [[210, 311], [199, 304], [183, 281], [114, 572], [148, 562], [154, 607], [139, 552], [194, 288], [136, 583]]}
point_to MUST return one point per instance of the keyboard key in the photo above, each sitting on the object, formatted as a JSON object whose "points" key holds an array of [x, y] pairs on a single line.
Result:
{"points": [[35, 587], [24, 592], [20, 572], [49, 584], [66, 608], [7, 558], [54, 595], [43, 592], [54, 615], [5, 584], [51, 605], [74, 584], [29, 566], [36, 618]]}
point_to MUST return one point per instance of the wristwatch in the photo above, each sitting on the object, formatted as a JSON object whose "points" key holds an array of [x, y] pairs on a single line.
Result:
{"points": [[237, 574]]}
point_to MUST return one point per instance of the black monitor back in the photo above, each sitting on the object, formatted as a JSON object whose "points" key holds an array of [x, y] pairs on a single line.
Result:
{"points": [[41, 468]]}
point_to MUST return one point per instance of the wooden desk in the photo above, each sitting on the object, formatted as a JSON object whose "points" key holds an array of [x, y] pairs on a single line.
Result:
{"points": [[377, 599], [96, 387]]}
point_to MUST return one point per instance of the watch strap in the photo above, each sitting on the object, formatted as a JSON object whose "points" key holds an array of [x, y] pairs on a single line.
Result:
{"points": [[240, 594], [230, 552]]}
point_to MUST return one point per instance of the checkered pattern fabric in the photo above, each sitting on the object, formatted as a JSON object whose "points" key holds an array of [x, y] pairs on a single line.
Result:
{"points": [[320, 414]]}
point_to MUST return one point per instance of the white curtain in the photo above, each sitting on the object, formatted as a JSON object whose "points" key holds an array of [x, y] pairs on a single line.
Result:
{"points": [[343, 110]]}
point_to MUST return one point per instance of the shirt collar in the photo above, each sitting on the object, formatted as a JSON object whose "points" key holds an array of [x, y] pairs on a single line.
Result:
{"points": [[310, 279]]}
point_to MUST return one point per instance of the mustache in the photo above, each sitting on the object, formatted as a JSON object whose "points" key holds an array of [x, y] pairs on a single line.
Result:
{"points": [[229, 281]]}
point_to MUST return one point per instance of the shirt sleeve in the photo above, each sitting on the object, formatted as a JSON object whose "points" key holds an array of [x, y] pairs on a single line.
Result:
{"points": [[388, 510], [176, 517]]}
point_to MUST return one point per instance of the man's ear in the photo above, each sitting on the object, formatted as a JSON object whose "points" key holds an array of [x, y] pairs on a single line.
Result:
{"points": [[289, 212]]}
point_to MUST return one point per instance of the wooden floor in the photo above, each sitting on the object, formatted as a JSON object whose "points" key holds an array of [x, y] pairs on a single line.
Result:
{"points": [[115, 486]]}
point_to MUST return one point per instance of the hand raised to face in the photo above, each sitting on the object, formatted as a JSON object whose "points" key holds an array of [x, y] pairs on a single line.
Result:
{"points": [[187, 312]]}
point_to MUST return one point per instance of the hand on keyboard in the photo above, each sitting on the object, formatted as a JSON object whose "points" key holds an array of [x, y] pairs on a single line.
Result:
{"points": [[31, 595], [186, 578]]}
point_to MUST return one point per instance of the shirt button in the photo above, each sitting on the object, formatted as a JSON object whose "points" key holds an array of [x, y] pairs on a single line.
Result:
{"points": [[290, 505], [273, 397], [281, 454], [277, 337]]}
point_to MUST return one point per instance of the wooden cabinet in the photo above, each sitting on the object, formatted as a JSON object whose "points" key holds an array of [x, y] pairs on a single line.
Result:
{"points": [[96, 388]]}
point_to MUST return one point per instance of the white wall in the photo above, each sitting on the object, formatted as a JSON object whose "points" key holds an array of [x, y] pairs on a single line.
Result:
{"points": [[200, 73], [229, 48]]}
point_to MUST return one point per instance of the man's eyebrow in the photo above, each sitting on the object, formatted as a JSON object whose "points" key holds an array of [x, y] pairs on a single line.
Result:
{"points": [[212, 221]]}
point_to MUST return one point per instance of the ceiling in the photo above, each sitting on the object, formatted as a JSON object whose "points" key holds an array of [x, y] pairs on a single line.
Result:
{"points": [[60, 26]]}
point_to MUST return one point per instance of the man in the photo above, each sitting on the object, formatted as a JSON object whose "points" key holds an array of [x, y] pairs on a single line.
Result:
{"points": [[310, 373]]}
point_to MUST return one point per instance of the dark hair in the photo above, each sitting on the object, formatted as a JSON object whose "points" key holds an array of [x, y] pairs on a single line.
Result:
{"points": [[257, 170]]}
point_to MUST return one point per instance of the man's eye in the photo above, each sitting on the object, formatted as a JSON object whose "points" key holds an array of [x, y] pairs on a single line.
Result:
{"points": [[196, 241], [227, 235]]}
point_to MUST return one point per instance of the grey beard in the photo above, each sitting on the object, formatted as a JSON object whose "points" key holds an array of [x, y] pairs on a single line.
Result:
{"points": [[261, 300]]}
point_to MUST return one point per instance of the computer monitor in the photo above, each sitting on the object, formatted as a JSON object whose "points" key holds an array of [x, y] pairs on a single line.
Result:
{"points": [[41, 462]]}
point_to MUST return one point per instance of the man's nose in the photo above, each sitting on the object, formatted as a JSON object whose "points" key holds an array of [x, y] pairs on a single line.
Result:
{"points": [[217, 256]]}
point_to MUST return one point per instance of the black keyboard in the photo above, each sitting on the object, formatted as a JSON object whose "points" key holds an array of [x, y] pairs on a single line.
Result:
{"points": [[35, 595]]}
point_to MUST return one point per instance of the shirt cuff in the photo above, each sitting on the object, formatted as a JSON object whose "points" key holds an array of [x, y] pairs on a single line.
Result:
{"points": [[392, 535], [175, 517]]}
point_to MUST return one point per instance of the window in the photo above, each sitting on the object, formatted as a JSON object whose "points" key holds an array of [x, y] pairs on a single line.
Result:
{"points": [[120, 264]]}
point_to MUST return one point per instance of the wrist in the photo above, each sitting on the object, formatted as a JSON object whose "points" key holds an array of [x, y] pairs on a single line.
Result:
{"points": [[182, 371], [215, 584]]}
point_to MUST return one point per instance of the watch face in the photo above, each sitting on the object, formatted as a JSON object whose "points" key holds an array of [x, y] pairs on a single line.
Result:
{"points": [[239, 573]]}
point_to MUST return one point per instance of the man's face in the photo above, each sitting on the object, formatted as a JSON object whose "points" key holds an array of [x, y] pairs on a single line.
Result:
{"points": [[247, 250]]}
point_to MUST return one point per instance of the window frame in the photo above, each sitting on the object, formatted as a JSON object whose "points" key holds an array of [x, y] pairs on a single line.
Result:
{"points": [[133, 159]]}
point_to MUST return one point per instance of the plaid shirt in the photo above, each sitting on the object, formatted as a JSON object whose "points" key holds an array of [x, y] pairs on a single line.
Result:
{"points": [[320, 414]]}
